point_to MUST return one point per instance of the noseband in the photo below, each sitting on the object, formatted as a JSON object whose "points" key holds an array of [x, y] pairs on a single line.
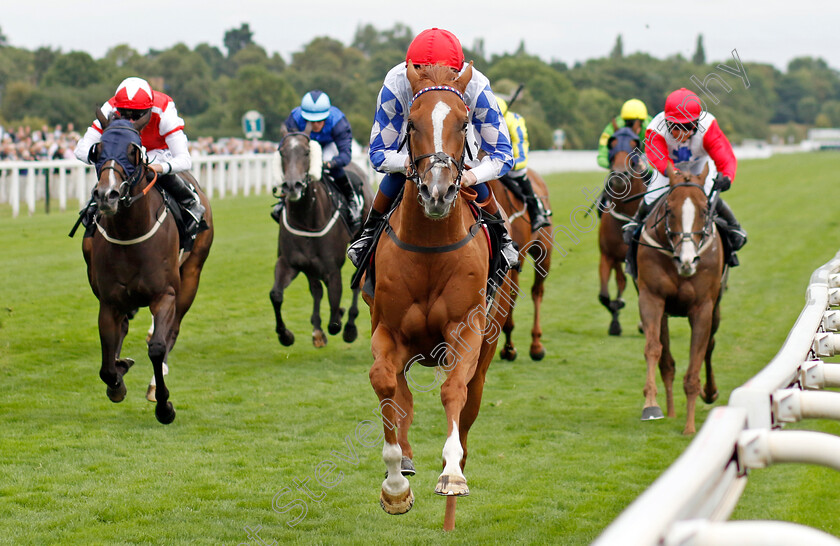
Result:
{"points": [[684, 236], [125, 197]]}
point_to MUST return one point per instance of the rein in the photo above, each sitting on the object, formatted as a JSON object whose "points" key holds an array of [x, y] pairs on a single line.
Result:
{"points": [[706, 234]]}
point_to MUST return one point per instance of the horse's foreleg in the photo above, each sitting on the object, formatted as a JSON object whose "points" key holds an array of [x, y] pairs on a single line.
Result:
{"points": [[405, 401], [710, 392], [283, 276], [334, 289], [453, 396], [111, 331], [700, 320], [604, 267], [508, 350], [319, 339], [475, 390], [396, 496], [350, 330], [667, 366], [651, 310], [164, 312]]}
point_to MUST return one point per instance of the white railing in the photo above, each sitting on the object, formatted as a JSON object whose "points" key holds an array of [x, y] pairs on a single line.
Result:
{"points": [[691, 501], [27, 182]]}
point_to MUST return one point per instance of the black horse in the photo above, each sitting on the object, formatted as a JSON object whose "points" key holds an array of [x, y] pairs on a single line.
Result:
{"points": [[313, 236]]}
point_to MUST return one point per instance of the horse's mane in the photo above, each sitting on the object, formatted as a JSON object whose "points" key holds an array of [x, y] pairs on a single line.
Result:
{"points": [[436, 74]]}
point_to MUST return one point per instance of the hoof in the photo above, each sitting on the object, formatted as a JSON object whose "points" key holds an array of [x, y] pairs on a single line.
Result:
{"points": [[709, 398], [396, 505], [150, 393], [605, 300], [652, 413], [116, 394], [616, 305], [334, 327], [508, 353], [286, 337], [319, 339], [350, 333], [406, 467], [452, 486], [641, 330], [165, 414], [538, 353], [615, 328]]}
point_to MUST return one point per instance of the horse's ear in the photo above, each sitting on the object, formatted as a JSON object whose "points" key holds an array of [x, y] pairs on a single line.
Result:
{"points": [[464, 79], [94, 153], [704, 174], [135, 154], [103, 121], [670, 172], [411, 73], [141, 123], [610, 142]]}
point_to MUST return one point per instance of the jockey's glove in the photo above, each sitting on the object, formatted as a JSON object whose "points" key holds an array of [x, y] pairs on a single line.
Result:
{"points": [[722, 182], [328, 165]]}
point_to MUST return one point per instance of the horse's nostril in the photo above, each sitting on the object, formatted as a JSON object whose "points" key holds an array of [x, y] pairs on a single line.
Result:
{"points": [[113, 195], [424, 192]]}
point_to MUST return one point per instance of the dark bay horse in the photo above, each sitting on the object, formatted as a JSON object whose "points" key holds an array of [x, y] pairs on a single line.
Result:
{"points": [[680, 265], [538, 246], [134, 260], [313, 238], [624, 181], [429, 301]]}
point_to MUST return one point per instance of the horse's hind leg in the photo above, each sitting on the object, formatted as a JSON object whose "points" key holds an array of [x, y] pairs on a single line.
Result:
{"points": [[508, 351], [319, 339], [537, 350], [112, 329], [283, 276], [333, 282], [350, 330], [163, 309], [667, 366]]}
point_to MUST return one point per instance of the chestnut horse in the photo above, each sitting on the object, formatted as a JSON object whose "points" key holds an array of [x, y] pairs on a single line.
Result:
{"points": [[624, 182], [133, 260], [429, 302], [537, 245], [680, 265], [313, 238]]}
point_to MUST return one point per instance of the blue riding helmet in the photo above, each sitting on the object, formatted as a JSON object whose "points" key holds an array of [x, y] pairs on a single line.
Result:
{"points": [[315, 106]]}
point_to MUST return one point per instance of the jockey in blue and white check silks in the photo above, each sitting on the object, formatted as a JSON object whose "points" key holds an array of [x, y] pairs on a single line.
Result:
{"points": [[487, 126]]}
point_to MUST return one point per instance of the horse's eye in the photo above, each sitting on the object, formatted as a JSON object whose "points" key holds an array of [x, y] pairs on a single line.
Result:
{"points": [[466, 124]]}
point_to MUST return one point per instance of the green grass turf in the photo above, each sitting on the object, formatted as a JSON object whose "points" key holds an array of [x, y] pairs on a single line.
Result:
{"points": [[556, 454]]}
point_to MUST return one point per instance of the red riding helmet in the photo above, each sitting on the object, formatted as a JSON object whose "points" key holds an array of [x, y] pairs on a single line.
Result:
{"points": [[436, 46], [683, 106], [134, 94]]}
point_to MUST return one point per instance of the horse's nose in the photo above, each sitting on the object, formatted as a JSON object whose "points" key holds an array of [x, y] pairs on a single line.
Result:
{"points": [[110, 195]]}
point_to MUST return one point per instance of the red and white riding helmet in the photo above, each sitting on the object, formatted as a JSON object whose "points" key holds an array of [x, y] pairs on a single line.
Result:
{"points": [[683, 106], [436, 46], [134, 94]]}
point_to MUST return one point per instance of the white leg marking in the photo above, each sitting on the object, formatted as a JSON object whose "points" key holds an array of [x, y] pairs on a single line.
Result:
{"points": [[395, 483], [452, 454]]}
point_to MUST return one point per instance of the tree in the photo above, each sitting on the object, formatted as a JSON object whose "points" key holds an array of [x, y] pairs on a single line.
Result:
{"points": [[618, 49], [699, 53], [75, 69], [238, 38], [255, 88], [3, 40]]}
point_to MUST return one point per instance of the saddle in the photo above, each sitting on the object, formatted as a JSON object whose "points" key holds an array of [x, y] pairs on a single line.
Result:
{"points": [[339, 201]]}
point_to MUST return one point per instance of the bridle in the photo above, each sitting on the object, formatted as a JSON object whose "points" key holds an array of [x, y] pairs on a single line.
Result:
{"points": [[307, 178], [706, 234], [437, 159], [125, 186]]}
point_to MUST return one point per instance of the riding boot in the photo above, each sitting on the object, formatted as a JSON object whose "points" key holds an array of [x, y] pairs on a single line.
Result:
{"points": [[734, 232], [535, 208], [277, 210], [603, 203], [360, 248], [187, 197], [507, 248], [632, 227], [346, 188]]}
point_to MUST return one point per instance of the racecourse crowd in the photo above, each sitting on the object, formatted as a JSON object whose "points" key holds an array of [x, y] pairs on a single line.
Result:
{"points": [[26, 144]]}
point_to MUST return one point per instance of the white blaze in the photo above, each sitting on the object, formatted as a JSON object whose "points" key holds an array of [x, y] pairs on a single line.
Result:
{"points": [[438, 115], [687, 251]]}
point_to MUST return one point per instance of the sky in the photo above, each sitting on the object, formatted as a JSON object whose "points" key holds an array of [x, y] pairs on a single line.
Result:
{"points": [[766, 31]]}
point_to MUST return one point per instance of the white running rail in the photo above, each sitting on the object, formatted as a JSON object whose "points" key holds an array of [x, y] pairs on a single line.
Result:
{"points": [[692, 501]]}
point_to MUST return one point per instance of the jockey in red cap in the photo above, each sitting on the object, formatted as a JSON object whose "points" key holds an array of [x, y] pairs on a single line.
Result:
{"points": [[687, 137], [435, 46], [161, 133]]}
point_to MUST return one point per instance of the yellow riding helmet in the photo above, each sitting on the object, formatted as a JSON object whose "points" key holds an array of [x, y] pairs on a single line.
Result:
{"points": [[634, 109], [502, 105]]}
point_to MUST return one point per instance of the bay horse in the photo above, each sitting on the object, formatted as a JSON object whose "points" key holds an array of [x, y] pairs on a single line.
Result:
{"points": [[429, 302], [624, 182], [134, 259], [680, 267], [537, 245], [313, 238]]}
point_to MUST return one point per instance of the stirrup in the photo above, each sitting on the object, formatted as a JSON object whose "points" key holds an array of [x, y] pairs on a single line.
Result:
{"points": [[358, 249]]}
